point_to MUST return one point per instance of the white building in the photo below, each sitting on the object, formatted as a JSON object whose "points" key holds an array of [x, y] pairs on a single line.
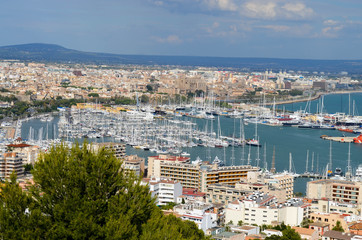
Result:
{"points": [[259, 208], [165, 191], [200, 213]]}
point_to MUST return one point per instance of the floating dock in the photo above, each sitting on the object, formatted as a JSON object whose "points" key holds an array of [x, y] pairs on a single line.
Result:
{"points": [[339, 139]]}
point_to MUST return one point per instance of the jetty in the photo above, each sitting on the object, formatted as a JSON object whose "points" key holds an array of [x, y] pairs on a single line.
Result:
{"points": [[309, 175], [339, 139]]}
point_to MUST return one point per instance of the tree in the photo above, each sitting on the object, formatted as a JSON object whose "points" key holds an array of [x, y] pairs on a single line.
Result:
{"points": [[305, 223], [93, 95], [82, 194], [298, 194], [149, 88], [281, 227], [240, 223], [338, 227], [145, 99], [17, 213], [28, 92], [288, 234], [28, 167]]}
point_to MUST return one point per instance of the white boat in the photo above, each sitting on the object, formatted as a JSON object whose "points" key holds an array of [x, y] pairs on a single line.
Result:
{"points": [[185, 154], [359, 171]]}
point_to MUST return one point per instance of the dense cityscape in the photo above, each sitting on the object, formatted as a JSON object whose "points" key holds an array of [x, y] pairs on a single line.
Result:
{"points": [[154, 109]]}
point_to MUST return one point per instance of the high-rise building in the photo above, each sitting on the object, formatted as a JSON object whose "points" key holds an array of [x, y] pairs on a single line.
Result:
{"points": [[11, 162], [119, 149], [195, 175]]}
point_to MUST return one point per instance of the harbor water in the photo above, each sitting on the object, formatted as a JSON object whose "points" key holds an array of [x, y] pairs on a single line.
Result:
{"points": [[284, 140]]}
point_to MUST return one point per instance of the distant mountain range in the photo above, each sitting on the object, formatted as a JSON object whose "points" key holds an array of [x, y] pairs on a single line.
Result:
{"points": [[40, 52]]}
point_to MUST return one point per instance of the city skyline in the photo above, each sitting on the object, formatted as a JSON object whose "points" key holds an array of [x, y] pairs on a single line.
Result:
{"points": [[224, 28]]}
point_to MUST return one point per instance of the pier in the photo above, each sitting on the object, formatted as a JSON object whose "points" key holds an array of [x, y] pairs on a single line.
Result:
{"points": [[309, 175], [339, 139]]}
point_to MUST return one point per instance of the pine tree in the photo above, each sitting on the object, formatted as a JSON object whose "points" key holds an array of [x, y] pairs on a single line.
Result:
{"points": [[82, 194]]}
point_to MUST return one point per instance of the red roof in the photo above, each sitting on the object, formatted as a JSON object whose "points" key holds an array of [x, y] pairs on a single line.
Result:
{"points": [[192, 192], [171, 158], [21, 145]]}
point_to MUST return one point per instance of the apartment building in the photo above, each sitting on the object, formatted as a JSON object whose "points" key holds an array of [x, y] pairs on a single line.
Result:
{"points": [[11, 162], [259, 208], [29, 153], [336, 190], [221, 193], [195, 175], [212, 174], [331, 219], [328, 206], [135, 164], [165, 191], [119, 149], [200, 213]]}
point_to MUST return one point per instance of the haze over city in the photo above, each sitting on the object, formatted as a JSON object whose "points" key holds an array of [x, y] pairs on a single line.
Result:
{"points": [[321, 29]]}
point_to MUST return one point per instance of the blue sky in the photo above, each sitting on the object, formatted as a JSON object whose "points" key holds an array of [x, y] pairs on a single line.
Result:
{"points": [[311, 29]]}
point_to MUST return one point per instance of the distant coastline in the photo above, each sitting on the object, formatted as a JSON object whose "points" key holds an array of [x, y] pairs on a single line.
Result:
{"points": [[317, 96]]}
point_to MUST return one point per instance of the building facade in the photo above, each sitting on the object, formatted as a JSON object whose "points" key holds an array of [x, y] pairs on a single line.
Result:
{"points": [[11, 162]]}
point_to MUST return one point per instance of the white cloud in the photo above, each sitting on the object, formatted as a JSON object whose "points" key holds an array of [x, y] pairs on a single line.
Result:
{"points": [[260, 9], [168, 39], [276, 9], [297, 9], [223, 5], [330, 22], [332, 31], [276, 28]]}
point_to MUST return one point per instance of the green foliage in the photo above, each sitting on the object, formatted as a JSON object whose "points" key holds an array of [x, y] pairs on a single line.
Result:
{"points": [[298, 194], [149, 88], [18, 217], [223, 105], [199, 93], [288, 234], [28, 167], [93, 95], [10, 98], [295, 92], [123, 101], [305, 223], [280, 227], [4, 90], [338, 227], [169, 206], [82, 194], [145, 99]]}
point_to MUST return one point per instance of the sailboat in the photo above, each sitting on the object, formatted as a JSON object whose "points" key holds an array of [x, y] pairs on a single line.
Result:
{"points": [[255, 141]]}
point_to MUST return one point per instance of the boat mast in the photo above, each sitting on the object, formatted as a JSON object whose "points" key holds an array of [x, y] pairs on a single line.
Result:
{"points": [[330, 155], [272, 170], [242, 141], [306, 162], [349, 168], [265, 163], [311, 169], [290, 163], [249, 155], [232, 149], [349, 104], [257, 154]]}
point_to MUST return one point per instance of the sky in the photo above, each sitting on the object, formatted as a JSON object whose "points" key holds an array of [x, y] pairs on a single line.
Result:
{"points": [[303, 29]]}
